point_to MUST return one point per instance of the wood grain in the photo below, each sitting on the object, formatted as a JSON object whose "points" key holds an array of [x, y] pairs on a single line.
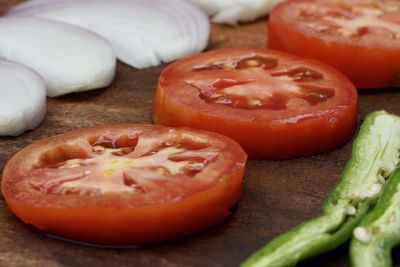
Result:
{"points": [[277, 195]]}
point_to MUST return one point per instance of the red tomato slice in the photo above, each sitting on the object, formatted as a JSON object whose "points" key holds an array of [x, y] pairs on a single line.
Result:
{"points": [[361, 38], [125, 184], [274, 104]]}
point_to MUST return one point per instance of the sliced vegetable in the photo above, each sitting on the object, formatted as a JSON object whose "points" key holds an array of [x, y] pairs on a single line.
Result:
{"points": [[260, 98], [143, 33], [359, 38], [125, 184], [69, 59], [375, 155], [379, 230], [234, 11], [22, 98]]}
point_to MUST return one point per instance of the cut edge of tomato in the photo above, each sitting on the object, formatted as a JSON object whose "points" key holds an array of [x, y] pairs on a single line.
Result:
{"points": [[46, 146], [361, 73], [227, 111], [310, 33]]}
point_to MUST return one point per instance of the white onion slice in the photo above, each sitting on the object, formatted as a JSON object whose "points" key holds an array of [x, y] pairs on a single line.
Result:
{"points": [[69, 59], [22, 98], [143, 33], [234, 11]]}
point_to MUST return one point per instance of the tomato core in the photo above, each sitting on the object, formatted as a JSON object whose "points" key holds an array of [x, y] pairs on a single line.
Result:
{"points": [[279, 86], [117, 164]]}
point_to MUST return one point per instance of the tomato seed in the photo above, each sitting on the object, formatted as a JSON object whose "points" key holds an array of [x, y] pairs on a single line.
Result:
{"points": [[108, 172], [76, 165], [257, 61], [255, 102], [216, 95], [98, 149]]}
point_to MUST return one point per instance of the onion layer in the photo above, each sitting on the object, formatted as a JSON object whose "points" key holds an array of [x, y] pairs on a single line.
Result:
{"points": [[22, 98], [69, 59], [234, 11], [142, 32]]}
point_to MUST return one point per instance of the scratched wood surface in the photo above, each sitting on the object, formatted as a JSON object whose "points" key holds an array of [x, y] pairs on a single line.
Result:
{"points": [[277, 195]]}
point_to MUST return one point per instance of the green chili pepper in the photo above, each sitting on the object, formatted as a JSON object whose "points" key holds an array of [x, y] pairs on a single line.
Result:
{"points": [[379, 230], [375, 155]]}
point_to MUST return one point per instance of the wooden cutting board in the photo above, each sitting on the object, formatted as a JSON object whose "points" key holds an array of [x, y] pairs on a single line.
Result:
{"points": [[277, 195]]}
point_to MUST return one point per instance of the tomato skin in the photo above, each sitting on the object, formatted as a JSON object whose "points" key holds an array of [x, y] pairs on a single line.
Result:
{"points": [[262, 136], [134, 226], [113, 219], [264, 140], [368, 67]]}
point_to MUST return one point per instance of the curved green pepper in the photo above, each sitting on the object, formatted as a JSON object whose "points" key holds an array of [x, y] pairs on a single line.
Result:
{"points": [[379, 230], [375, 155]]}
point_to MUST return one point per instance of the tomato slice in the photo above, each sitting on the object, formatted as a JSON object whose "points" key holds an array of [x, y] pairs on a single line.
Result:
{"points": [[361, 38], [274, 104], [127, 184]]}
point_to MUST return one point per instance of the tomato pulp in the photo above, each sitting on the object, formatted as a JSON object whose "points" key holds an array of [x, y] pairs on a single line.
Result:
{"points": [[276, 105], [127, 184], [361, 38]]}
